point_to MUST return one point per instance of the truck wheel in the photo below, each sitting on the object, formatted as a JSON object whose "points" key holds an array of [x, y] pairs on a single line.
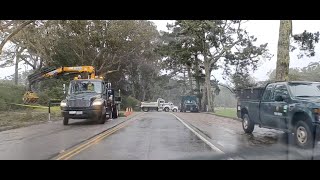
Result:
{"points": [[65, 121], [247, 124], [303, 135], [174, 110], [145, 109], [102, 118], [166, 109], [114, 113]]}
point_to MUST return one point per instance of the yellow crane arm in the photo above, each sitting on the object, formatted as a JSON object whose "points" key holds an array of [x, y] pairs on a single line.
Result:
{"points": [[78, 69], [50, 72]]}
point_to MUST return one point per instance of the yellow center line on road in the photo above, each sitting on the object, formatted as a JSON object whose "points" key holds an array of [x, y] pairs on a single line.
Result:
{"points": [[90, 143], [95, 140]]}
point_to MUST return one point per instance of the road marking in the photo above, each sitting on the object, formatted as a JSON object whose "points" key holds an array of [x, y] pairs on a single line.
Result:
{"points": [[199, 136], [67, 154]]}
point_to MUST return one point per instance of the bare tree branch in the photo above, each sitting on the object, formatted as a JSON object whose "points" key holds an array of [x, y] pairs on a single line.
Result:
{"points": [[14, 32]]}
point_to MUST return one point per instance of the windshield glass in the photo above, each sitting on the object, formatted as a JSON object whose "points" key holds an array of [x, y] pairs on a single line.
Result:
{"points": [[305, 90], [160, 89], [85, 87]]}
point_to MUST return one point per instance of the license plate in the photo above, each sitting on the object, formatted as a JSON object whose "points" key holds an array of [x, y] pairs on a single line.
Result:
{"points": [[79, 112], [75, 112]]}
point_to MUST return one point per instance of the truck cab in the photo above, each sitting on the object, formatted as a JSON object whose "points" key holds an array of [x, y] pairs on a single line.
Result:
{"points": [[293, 107], [89, 99], [189, 103]]}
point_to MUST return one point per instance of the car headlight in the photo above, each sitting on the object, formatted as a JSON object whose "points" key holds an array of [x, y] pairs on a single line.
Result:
{"points": [[97, 102], [63, 104]]}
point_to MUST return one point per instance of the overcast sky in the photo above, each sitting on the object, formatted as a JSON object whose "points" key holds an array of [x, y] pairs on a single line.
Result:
{"points": [[267, 31]]}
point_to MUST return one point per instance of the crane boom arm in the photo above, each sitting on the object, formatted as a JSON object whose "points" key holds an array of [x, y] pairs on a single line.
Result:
{"points": [[51, 72]]}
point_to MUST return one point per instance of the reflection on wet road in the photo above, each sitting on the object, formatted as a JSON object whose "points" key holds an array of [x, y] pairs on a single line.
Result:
{"points": [[227, 134], [154, 136]]}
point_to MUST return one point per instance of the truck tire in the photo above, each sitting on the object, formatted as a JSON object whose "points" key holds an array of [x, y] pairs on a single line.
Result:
{"points": [[114, 113], [65, 121], [145, 109], [166, 109], [247, 124], [174, 110], [303, 135], [102, 118]]}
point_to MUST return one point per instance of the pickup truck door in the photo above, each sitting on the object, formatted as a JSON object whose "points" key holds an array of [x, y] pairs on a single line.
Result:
{"points": [[266, 111], [279, 108]]}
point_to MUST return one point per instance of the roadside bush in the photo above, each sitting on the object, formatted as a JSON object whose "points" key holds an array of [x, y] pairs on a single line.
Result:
{"points": [[3, 105], [10, 94], [130, 101], [43, 98]]}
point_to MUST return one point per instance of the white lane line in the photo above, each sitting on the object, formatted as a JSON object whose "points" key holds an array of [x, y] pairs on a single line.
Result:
{"points": [[199, 136]]}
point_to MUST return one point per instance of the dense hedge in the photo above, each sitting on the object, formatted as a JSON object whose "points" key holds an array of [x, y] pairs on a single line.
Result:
{"points": [[10, 94]]}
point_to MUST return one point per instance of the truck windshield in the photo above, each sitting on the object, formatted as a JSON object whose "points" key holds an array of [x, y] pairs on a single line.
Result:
{"points": [[77, 87], [305, 89]]}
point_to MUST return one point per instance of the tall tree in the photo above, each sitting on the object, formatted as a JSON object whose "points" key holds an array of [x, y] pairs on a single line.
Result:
{"points": [[220, 40], [305, 40]]}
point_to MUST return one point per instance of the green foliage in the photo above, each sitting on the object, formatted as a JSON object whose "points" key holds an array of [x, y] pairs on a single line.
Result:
{"points": [[10, 93], [306, 42], [242, 81], [3, 105], [130, 101]]}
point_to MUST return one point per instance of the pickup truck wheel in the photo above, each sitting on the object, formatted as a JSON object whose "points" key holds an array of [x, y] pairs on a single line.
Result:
{"points": [[166, 109], [303, 135], [65, 121], [247, 124]]}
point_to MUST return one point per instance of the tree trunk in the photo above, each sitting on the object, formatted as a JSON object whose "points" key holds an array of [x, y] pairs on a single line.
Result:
{"points": [[197, 75], [208, 84], [190, 80], [143, 94], [283, 57], [204, 99], [184, 81], [16, 73], [16, 69]]}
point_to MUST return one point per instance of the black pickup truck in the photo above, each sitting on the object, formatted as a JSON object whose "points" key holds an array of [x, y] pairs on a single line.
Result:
{"points": [[293, 107]]}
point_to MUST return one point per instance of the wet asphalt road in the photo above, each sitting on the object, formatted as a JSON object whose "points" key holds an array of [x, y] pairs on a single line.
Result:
{"points": [[44, 141], [155, 135], [263, 144], [152, 135]]}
